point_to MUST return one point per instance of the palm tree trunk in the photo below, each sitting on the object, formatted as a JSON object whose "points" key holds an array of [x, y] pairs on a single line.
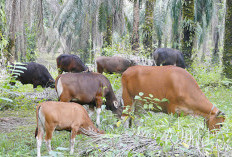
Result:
{"points": [[40, 27], [108, 38], [11, 46], [135, 33], [188, 31], [147, 30], [227, 54], [215, 57]]}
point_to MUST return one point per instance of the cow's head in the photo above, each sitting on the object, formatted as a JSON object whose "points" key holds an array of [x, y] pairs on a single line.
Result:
{"points": [[50, 83], [132, 63], [116, 108], [215, 121]]}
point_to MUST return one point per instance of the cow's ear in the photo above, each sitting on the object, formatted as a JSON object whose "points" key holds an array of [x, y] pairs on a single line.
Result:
{"points": [[220, 114], [116, 104]]}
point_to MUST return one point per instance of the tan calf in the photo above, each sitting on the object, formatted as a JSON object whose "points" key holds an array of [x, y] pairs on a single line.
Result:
{"points": [[174, 84], [67, 116]]}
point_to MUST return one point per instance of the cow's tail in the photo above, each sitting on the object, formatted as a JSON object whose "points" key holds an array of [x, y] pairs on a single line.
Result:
{"points": [[37, 120]]}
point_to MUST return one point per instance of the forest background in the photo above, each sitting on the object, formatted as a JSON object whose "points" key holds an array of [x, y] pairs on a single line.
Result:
{"points": [[40, 30]]}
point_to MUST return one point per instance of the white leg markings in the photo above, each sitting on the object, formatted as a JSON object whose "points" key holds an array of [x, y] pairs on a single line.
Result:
{"points": [[59, 87], [39, 143], [48, 143], [72, 142], [98, 116]]}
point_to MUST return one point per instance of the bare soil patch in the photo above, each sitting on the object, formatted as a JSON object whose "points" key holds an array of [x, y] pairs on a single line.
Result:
{"points": [[9, 124]]}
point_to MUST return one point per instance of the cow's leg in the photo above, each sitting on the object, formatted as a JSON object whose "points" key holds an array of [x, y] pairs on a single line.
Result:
{"points": [[99, 104], [48, 137], [127, 105], [72, 138], [39, 140], [99, 69]]}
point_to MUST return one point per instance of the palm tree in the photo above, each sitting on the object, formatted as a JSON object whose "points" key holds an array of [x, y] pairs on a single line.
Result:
{"points": [[160, 16], [227, 54], [148, 26], [188, 30], [135, 33], [176, 19]]}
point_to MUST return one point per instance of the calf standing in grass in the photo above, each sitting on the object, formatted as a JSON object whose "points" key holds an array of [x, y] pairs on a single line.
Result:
{"points": [[59, 116]]}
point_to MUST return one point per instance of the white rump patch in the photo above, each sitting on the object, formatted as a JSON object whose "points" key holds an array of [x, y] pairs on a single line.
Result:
{"points": [[41, 120], [59, 87]]}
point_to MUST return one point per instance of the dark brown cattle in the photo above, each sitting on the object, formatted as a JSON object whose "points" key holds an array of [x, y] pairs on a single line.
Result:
{"points": [[70, 63], [59, 116], [35, 73], [88, 88], [113, 64], [167, 56], [174, 84]]}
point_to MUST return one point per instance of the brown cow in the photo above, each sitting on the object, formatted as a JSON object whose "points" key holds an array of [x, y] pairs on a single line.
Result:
{"points": [[59, 116], [70, 63], [113, 64], [174, 84], [88, 88]]}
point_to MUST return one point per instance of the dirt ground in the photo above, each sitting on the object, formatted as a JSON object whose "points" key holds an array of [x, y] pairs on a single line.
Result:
{"points": [[9, 124]]}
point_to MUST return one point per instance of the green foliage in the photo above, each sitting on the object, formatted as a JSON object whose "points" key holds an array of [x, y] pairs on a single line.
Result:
{"points": [[3, 40], [115, 80], [171, 133], [150, 102], [207, 75], [102, 14], [31, 53]]}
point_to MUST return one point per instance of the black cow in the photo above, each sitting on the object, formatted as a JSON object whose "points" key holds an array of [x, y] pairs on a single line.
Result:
{"points": [[167, 56], [70, 63], [88, 88], [35, 73], [113, 64]]}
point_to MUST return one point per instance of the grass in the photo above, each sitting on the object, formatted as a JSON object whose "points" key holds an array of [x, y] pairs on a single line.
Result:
{"points": [[181, 135]]}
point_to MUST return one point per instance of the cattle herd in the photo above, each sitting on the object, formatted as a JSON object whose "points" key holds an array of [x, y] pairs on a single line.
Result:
{"points": [[80, 86]]}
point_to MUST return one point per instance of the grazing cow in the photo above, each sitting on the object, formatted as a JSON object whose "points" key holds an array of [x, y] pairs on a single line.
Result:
{"points": [[113, 64], [70, 63], [59, 116], [175, 84], [88, 88], [35, 73], [167, 56]]}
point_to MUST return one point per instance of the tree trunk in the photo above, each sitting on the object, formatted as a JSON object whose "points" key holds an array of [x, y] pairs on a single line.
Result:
{"points": [[135, 33], [108, 38], [188, 31], [11, 46], [147, 30], [40, 27], [215, 57], [227, 54]]}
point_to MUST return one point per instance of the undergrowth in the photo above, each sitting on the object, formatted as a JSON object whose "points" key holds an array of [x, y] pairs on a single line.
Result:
{"points": [[185, 136]]}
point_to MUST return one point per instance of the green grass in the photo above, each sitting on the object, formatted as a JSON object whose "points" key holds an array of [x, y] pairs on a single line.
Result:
{"points": [[184, 132]]}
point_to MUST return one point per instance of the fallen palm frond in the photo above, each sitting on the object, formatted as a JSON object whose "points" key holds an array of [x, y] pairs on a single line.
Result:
{"points": [[125, 144]]}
